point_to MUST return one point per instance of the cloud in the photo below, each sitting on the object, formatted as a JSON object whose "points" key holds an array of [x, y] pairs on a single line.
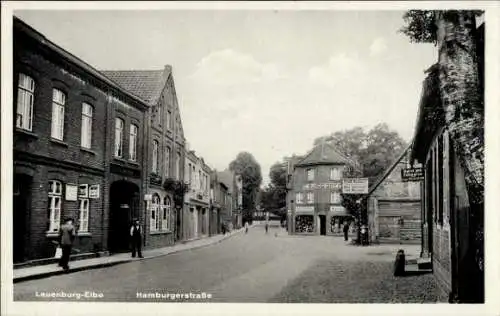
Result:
{"points": [[339, 69], [229, 67], [378, 46]]}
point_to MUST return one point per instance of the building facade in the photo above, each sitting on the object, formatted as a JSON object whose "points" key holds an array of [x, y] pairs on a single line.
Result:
{"points": [[229, 195], [197, 199], [165, 147], [394, 206], [66, 139], [452, 213], [314, 194]]}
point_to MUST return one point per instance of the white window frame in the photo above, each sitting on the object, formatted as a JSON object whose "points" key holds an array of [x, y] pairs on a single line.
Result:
{"points": [[154, 213], [25, 101], [335, 197], [55, 204], [119, 126], [167, 161], [154, 157], [310, 174], [335, 173], [87, 115], [132, 145], [310, 197], [299, 198], [165, 216], [58, 106], [84, 212]]}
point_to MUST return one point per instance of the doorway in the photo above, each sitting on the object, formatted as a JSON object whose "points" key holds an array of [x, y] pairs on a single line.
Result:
{"points": [[124, 207], [322, 224], [21, 208]]}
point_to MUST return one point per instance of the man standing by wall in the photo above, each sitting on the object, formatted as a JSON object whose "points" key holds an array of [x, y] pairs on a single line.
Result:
{"points": [[136, 236], [67, 235]]}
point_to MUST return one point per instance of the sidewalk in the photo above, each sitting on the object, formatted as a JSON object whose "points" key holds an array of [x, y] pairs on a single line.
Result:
{"points": [[43, 271]]}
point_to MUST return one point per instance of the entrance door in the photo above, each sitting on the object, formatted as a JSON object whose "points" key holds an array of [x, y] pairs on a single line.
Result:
{"points": [[322, 224], [21, 208], [124, 206]]}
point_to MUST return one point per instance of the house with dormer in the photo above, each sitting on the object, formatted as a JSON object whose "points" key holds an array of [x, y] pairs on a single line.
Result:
{"points": [[314, 199], [165, 147]]}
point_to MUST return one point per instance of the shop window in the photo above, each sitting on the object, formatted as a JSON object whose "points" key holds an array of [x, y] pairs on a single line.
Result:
{"points": [[165, 216], [304, 224]]}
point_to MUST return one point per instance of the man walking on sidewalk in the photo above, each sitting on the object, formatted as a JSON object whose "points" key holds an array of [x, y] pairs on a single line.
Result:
{"points": [[67, 235], [346, 231], [136, 237]]}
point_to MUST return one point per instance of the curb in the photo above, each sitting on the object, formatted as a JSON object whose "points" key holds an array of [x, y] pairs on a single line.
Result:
{"points": [[109, 264]]}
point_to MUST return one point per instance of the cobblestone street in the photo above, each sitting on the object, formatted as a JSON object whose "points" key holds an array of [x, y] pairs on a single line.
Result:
{"points": [[252, 267]]}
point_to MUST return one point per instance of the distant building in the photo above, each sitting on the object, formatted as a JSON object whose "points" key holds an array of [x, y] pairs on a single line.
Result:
{"points": [[314, 200], [394, 206], [197, 199]]}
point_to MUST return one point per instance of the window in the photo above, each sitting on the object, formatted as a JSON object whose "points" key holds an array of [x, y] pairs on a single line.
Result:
{"points": [[155, 216], [200, 180], [132, 146], [169, 120], [335, 173], [440, 179], [58, 103], [335, 197], [178, 167], [299, 198], [154, 164], [190, 178], [159, 115], [304, 224], [84, 215], [310, 174], [118, 137], [25, 100], [55, 199], [310, 197], [167, 161], [165, 219], [86, 141]]}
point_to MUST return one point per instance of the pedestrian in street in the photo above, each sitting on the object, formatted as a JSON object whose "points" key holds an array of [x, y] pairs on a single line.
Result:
{"points": [[67, 234], [267, 227], [346, 231], [136, 237], [246, 227], [223, 229]]}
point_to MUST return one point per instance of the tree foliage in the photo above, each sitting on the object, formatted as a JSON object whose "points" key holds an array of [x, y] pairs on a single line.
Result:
{"points": [[274, 195], [374, 150], [247, 166]]}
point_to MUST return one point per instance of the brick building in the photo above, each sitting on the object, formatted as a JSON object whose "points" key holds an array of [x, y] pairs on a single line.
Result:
{"points": [[394, 206], [165, 148], [197, 199], [314, 192], [218, 200], [452, 213], [70, 122]]}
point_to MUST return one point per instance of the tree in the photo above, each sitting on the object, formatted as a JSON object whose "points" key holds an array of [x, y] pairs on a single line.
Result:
{"points": [[374, 150], [274, 195], [250, 171]]}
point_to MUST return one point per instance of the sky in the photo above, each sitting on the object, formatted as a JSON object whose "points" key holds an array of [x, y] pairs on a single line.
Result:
{"points": [[264, 81]]}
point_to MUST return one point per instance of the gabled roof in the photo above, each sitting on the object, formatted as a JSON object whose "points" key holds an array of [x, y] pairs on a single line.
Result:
{"points": [[388, 171], [145, 84], [324, 153], [226, 177]]}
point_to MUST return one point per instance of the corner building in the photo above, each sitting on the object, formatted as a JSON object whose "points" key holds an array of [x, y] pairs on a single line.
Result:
{"points": [[314, 196]]}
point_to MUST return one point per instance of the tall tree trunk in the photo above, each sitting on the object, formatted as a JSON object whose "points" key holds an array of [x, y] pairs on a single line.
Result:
{"points": [[461, 94]]}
